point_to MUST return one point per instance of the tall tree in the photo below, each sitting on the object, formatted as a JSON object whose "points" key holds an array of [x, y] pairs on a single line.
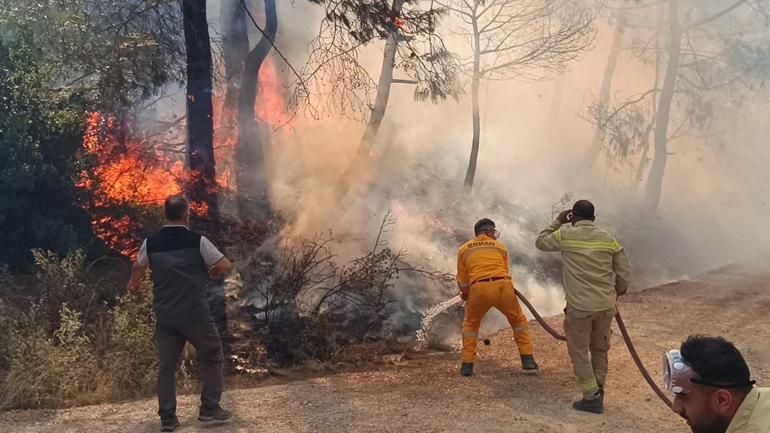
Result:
{"points": [[411, 46], [517, 38], [621, 125], [384, 83], [655, 179], [200, 122], [713, 50], [600, 130], [251, 171], [235, 47]]}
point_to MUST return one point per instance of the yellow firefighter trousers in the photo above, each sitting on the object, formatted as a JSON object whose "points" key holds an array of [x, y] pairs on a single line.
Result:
{"points": [[499, 294]]}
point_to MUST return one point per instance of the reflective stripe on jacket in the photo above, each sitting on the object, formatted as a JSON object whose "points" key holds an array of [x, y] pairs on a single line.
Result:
{"points": [[596, 269]]}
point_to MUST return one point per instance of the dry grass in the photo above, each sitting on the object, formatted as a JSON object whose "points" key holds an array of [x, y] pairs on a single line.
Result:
{"points": [[49, 361]]}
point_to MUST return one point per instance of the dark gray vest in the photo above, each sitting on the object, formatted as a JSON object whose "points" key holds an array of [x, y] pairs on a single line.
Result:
{"points": [[179, 276]]}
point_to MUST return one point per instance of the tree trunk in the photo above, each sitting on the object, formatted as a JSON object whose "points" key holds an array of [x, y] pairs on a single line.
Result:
{"points": [[384, 84], [383, 91], [644, 160], [662, 117], [235, 47], [604, 97], [470, 174], [200, 126], [251, 169]]}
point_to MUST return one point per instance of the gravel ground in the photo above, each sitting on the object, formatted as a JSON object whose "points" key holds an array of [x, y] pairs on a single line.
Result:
{"points": [[426, 394]]}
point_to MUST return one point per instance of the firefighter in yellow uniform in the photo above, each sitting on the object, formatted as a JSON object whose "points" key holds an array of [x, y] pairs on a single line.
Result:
{"points": [[596, 271], [485, 282]]}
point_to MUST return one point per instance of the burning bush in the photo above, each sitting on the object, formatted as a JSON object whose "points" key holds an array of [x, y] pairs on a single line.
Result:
{"points": [[129, 182], [304, 305]]}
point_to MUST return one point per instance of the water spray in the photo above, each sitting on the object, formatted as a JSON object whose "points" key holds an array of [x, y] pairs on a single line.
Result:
{"points": [[430, 314], [422, 334]]}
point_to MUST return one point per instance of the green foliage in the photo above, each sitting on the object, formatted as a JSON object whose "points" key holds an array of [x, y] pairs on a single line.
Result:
{"points": [[131, 361], [348, 25], [61, 280], [40, 132], [118, 52]]}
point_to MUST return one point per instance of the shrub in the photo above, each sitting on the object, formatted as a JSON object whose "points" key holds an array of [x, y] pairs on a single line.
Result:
{"points": [[62, 279], [131, 361], [47, 371], [61, 361], [307, 306]]}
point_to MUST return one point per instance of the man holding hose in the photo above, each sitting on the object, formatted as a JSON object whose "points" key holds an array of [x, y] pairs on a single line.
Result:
{"points": [[596, 272], [485, 282]]}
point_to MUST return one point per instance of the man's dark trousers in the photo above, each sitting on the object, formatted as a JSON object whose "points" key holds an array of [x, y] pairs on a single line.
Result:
{"points": [[171, 339]]}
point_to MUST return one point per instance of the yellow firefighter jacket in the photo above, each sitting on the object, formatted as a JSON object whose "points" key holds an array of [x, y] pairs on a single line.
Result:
{"points": [[596, 269], [754, 414], [480, 258]]}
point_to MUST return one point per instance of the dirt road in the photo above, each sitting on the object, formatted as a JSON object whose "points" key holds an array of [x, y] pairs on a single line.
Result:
{"points": [[428, 395]]}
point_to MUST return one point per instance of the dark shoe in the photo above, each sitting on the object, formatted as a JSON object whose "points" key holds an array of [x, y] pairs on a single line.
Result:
{"points": [[528, 363], [466, 369], [169, 424], [214, 415], [594, 406]]}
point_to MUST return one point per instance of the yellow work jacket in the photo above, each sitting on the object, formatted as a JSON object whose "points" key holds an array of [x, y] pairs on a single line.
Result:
{"points": [[596, 269], [482, 257], [753, 415]]}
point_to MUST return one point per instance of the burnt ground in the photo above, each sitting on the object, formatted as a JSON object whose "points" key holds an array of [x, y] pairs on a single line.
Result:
{"points": [[426, 394]]}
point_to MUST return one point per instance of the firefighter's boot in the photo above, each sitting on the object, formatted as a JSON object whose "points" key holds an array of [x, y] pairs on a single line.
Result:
{"points": [[595, 405], [466, 369], [528, 363]]}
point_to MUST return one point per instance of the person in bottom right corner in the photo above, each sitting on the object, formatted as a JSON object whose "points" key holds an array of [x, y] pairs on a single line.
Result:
{"points": [[713, 390]]}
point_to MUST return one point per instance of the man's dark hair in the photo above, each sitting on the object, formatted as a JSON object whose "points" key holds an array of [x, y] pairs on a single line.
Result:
{"points": [[483, 225], [716, 361], [584, 210], [176, 207]]}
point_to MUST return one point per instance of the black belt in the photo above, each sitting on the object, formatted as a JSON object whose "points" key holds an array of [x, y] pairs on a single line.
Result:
{"points": [[490, 279]]}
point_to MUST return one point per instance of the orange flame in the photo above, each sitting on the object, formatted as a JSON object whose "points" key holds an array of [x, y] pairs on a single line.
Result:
{"points": [[270, 106], [269, 109], [124, 175], [133, 174]]}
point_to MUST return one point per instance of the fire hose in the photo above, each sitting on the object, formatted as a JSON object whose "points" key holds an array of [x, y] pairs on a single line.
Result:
{"points": [[626, 338]]}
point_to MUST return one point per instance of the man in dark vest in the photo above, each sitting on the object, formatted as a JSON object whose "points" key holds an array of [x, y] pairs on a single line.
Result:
{"points": [[181, 262]]}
